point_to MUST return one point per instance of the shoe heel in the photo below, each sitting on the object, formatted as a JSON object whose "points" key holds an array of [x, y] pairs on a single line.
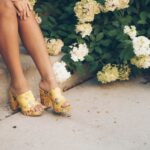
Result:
{"points": [[45, 99], [13, 102]]}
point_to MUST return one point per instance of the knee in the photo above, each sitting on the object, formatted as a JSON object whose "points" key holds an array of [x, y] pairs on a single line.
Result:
{"points": [[7, 8]]}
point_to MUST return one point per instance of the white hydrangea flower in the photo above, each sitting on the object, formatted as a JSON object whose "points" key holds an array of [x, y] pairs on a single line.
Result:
{"points": [[60, 71], [141, 45], [86, 10], [32, 2], [84, 29], [123, 4], [79, 52], [37, 18], [141, 61], [109, 73], [124, 72], [111, 5], [54, 46], [130, 31]]}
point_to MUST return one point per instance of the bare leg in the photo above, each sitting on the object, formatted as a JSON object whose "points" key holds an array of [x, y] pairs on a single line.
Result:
{"points": [[9, 49], [9, 46], [34, 42]]}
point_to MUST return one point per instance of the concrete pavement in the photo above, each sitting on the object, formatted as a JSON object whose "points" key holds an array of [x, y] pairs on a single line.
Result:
{"points": [[108, 117]]}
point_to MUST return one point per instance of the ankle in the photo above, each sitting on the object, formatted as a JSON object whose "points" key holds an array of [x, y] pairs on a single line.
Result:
{"points": [[19, 87], [48, 78], [48, 84]]}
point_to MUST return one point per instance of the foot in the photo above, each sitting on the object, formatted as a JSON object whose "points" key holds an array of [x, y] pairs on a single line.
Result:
{"points": [[48, 85], [20, 88]]}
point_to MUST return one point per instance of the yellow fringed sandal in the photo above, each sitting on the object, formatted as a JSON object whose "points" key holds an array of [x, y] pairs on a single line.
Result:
{"points": [[27, 103], [55, 99]]}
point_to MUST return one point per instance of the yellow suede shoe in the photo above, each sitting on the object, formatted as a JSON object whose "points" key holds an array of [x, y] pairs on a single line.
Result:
{"points": [[55, 99], [27, 103]]}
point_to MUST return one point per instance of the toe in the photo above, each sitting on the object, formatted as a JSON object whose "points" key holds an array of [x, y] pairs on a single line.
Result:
{"points": [[66, 104]]}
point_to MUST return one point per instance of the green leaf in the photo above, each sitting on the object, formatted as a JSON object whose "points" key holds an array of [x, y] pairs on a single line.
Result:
{"points": [[112, 33], [79, 68], [141, 22], [92, 37], [126, 54], [93, 66], [115, 23], [143, 15], [98, 50], [89, 58], [99, 36], [105, 43], [106, 56]]}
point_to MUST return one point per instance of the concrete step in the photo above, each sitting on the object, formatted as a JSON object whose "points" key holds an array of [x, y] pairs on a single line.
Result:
{"points": [[33, 78]]}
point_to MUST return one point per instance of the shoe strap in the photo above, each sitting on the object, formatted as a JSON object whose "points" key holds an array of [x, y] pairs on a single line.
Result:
{"points": [[26, 100], [56, 92], [57, 96]]}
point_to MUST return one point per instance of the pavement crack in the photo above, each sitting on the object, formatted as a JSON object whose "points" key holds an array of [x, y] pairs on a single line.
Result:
{"points": [[8, 116]]}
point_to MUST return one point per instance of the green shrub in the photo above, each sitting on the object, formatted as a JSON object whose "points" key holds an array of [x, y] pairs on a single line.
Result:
{"points": [[107, 43]]}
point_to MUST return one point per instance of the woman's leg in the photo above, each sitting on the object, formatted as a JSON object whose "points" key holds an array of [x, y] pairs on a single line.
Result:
{"points": [[9, 49], [9, 46], [34, 42]]}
